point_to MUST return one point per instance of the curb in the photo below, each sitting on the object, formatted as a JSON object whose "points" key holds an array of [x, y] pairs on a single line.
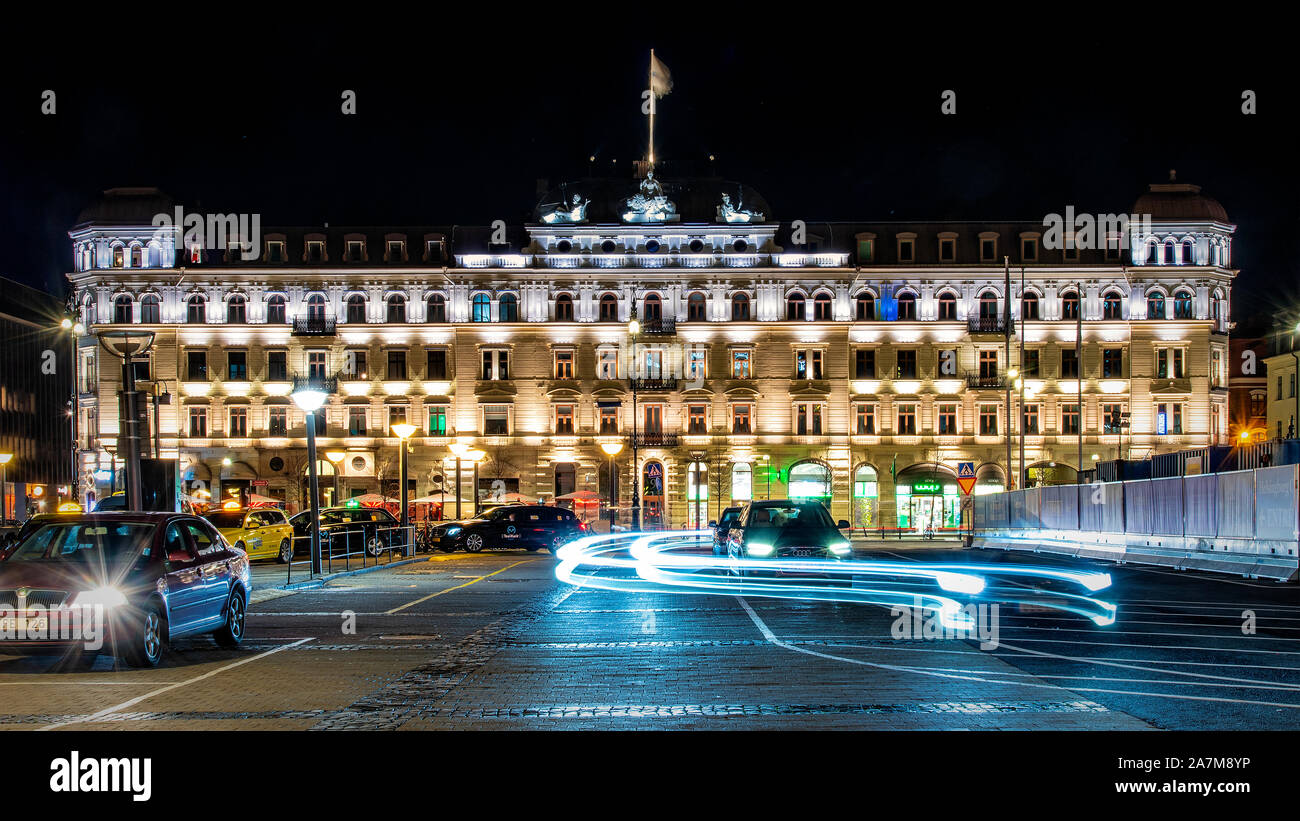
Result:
{"points": [[317, 582]]}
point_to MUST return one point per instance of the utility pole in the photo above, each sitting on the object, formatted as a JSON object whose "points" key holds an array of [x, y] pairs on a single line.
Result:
{"points": [[1078, 358], [1020, 420], [1006, 327]]}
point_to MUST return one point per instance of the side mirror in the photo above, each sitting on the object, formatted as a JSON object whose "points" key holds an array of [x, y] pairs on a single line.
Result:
{"points": [[842, 524], [713, 524], [254, 525]]}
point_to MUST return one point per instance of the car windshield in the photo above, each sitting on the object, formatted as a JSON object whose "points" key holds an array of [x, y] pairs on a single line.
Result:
{"points": [[791, 517], [226, 518], [99, 542]]}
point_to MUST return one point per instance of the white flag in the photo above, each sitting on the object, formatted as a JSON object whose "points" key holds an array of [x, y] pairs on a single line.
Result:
{"points": [[661, 81]]}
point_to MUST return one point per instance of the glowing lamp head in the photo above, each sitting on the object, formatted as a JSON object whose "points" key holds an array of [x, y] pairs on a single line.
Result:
{"points": [[633, 326], [335, 456], [612, 448], [66, 324], [309, 399], [78, 328], [403, 430], [5, 457]]}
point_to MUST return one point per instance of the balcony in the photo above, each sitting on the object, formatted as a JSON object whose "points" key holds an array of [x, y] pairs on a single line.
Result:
{"points": [[654, 384], [313, 326], [980, 381], [324, 384], [653, 440], [664, 326], [987, 324]]}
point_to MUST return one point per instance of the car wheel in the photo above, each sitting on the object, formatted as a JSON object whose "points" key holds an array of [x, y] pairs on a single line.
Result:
{"points": [[474, 543], [286, 552], [146, 639], [557, 541], [231, 633], [374, 545]]}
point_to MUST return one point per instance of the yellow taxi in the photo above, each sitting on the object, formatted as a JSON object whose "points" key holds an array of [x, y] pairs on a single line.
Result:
{"points": [[263, 533]]}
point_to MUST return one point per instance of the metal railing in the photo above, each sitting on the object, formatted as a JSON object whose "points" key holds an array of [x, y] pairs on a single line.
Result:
{"points": [[987, 324], [985, 380], [313, 326], [653, 440], [366, 547], [654, 384]]}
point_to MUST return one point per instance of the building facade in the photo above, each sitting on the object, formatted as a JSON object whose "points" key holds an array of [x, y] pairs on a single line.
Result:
{"points": [[858, 363]]}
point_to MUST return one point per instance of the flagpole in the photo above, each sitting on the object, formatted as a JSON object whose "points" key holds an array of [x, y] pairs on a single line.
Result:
{"points": [[650, 83]]}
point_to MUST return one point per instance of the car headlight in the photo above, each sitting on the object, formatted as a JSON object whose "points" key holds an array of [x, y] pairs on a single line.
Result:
{"points": [[105, 596], [841, 548], [759, 549]]}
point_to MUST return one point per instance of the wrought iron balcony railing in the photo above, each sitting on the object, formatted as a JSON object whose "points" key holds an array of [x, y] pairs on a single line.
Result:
{"points": [[984, 380], [664, 326], [325, 384], [313, 326], [653, 440], [656, 384], [987, 324]]}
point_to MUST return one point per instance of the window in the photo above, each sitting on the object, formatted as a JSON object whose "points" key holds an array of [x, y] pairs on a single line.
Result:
{"points": [[864, 363], [195, 310], [695, 307], [564, 420], [119, 257], [1069, 363], [275, 311], [1030, 364], [864, 415], [356, 421], [496, 364], [274, 251], [697, 419], [947, 306], [356, 365], [608, 420], [1258, 404], [150, 309], [277, 421], [396, 416], [435, 308], [607, 363], [988, 420], [1112, 418], [1156, 306], [907, 306], [482, 308], [396, 250], [196, 366], [1112, 306], [608, 308], [1070, 305], [947, 419], [396, 309], [564, 308], [906, 250], [1029, 249], [866, 250], [652, 421], [1184, 307], [564, 364], [906, 368], [740, 363], [356, 309], [437, 420], [740, 307], [238, 422], [988, 249], [316, 308], [277, 366], [1169, 363], [1169, 418], [947, 250], [315, 250], [808, 418], [1031, 420], [989, 305], [822, 308], [864, 307], [808, 364], [653, 308], [988, 364], [237, 366], [906, 420], [1029, 306], [396, 365], [122, 310], [315, 364], [198, 422], [742, 482], [697, 363], [508, 308], [742, 418], [436, 364], [236, 311], [1112, 363], [795, 307], [356, 251], [140, 367], [1070, 419]]}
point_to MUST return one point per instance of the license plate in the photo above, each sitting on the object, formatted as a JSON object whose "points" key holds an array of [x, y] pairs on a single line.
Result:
{"points": [[9, 624]]}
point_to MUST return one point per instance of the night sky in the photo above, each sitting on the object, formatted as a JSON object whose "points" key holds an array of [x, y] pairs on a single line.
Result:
{"points": [[829, 118]]}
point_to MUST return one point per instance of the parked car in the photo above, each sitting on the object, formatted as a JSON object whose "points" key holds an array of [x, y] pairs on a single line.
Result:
{"points": [[528, 526], [787, 528], [722, 527], [113, 503], [263, 533], [158, 576], [346, 529]]}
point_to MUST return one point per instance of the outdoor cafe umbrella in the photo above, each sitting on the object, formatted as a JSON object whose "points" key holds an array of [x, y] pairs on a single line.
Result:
{"points": [[582, 497]]}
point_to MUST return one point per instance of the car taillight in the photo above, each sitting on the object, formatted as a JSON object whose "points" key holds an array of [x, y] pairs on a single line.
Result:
{"points": [[583, 526]]}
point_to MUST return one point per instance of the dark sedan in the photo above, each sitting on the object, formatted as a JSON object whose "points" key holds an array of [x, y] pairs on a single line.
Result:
{"points": [[349, 530], [528, 526], [787, 529], [147, 578]]}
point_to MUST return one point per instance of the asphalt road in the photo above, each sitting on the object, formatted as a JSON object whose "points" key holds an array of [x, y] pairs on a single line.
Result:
{"points": [[495, 641]]}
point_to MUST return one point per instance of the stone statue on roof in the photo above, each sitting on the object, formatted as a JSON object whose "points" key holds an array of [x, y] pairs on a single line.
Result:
{"points": [[730, 213], [650, 204]]}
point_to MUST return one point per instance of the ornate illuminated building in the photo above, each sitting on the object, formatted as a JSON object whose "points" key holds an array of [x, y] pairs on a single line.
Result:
{"points": [[857, 362]]}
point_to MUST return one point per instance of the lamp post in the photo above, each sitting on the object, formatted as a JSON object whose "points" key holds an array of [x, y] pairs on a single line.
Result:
{"points": [[475, 456], [612, 449], [403, 430], [309, 395], [127, 345], [4, 485], [634, 328], [336, 458], [458, 449]]}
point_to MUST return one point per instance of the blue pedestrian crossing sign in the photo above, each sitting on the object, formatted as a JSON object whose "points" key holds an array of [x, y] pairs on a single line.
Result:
{"points": [[966, 476]]}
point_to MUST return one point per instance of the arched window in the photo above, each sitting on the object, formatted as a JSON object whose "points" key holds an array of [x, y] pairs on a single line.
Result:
{"points": [[356, 309], [150, 309], [122, 309], [396, 309], [316, 308], [236, 310], [822, 307], [796, 306], [1029, 306], [742, 482], [864, 307], [988, 305], [1112, 306], [435, 308], [866, 497], [809, 480], [564, 308], [907, 306], [608, 308], [508, 308], [947, 306], [740, 307], [1155, 305], [196, 310], [482, 308], [1189, 253], [154, 256], [653, 308], [1070, 305], [137, 256], [1184, 307], [695, 307], [1153, 252], [1168, 255], [276, 313]]}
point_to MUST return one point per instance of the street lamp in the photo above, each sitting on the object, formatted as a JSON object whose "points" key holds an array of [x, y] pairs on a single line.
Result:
{"points": [[403, 430], [634, 328], [336, 458], [4, 485], [475, 456], [458, 449], [309, 397], [612, 449], [127, 345]]}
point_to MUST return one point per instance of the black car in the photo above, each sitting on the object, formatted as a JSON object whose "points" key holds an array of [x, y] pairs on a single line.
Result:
{"points": [[787, 529], [722, 526], [528, 526], [148, 578], [349, 530]]}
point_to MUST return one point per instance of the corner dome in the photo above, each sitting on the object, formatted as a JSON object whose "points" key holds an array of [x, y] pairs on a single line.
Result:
{"points": [[127, 206], [1179, 202]]}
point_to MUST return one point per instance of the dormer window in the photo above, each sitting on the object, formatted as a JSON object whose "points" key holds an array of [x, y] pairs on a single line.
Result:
{"points": [[315, 251], [137, 257], [988, 249], [1029, 249], [906, 249], [947, 249], [275, 251], [396, 251], [433, 250], [356, 251], [119, 257]]}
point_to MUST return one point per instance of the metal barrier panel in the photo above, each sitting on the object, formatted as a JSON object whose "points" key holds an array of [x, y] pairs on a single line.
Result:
{"points": [[1034, 507], [1060, 507], [1167, 506], [1137, 506], [1200, 501], [997, 509], [1276, 503], [1235, 508], [1016, 510], [1092, 502]]}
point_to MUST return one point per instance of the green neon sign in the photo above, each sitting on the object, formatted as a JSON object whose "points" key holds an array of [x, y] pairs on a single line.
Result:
{"points": [[927, 487]]}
